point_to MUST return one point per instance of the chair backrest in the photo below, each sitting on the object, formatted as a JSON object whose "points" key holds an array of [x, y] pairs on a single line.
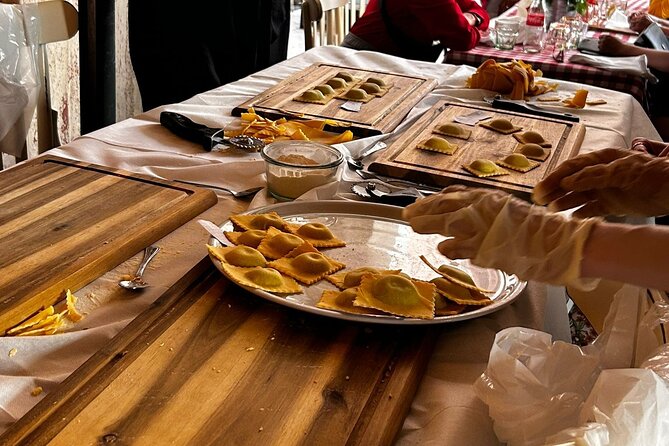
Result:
{"points": [[326, 22]]}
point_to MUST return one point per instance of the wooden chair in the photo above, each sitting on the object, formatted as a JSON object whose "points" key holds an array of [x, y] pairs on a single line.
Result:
{"points": [[58, 21], [326, 22]]}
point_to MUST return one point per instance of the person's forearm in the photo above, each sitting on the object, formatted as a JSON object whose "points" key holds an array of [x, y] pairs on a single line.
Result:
{"points": [[637, 255]]}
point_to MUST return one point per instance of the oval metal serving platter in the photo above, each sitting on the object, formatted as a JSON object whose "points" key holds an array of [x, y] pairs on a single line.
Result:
{"points": [[376, 236]]}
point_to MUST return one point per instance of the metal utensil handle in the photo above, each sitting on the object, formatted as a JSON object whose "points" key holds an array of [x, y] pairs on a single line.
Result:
{"points": [[149, 253], [532, 110], [379, 145]]}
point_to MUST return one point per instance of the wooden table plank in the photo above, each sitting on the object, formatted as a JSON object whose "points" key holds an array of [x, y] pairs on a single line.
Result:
{"points": [[209, 363], [64, 223]]}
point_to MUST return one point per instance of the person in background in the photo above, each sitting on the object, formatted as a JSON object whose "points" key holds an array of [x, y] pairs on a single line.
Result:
{"points": [[408, 28], [639, 21], [180, 49], [658, 61], [496, 230]]}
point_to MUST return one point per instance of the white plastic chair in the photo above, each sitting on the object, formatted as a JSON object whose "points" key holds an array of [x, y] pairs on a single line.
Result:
{"points": [[326, 22]]}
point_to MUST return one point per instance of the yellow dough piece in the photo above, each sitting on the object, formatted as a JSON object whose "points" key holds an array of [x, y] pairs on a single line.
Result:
{"points": [[455, 275], [596, 102], [377, 81], [350, 279], [445, 307], [242, 256], [357, 95], [370, 88], [397, 295], [259, 221], [552, 98], [250, 238], [533, 151], [277, 244], [267, 279], [484, 168], [578, 100], [438, 144], [454, 130], [326, 89], [337, 83], [501, 125], [314, 96], [518, 162], [308, 268], [348, 77], [343, 301], [317, 234], [532, 137], [459, 294]]}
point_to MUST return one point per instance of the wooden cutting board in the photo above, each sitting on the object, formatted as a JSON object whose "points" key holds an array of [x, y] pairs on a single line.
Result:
{"points": [[209, 363], [380, 115], [64, 223], [403, 160]]}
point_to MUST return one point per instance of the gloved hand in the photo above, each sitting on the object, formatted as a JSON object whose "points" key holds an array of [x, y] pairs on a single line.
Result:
{"points": [[497, 230], [608, 182]]}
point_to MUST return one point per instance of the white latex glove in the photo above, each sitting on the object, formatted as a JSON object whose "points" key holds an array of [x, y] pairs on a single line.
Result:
{"points": [[608, 182], [497, 230]]}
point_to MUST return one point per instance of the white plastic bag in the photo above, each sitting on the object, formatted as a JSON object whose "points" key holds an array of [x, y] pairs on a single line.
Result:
{"points": [[544, 393], [534, 387], [19, 76]]}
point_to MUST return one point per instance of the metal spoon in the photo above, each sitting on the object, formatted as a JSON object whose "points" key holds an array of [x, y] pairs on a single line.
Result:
{"points": [[137, 283], [237, 194], [356, 163]]}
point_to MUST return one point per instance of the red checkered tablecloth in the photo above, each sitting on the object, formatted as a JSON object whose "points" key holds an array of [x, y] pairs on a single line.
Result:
{"points": [[567, 71]]}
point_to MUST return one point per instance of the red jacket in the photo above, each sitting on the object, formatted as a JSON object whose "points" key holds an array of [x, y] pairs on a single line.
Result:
{"points": [[422, 21]]}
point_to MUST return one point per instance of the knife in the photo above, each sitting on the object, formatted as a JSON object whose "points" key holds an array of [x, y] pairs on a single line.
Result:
{"points": [[207, 137], [423, 188], [524, 107]]}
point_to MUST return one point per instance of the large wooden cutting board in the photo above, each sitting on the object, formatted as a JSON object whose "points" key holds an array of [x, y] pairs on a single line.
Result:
{"points": [[380, 115], [210, 364], [65, 223], [403, 160]]}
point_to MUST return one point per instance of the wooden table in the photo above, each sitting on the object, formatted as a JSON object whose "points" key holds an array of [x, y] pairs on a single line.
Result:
{"points": [[167, 360]]}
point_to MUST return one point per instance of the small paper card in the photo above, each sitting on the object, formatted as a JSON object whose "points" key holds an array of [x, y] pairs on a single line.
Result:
{"points": [[352, 106], [473, 117]]}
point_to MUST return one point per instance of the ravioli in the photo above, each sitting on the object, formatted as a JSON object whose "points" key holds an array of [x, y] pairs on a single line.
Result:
{"points": [[440, 145], [357, 95], [484, 168], [266, 279], [459, 294], [315, 96], [326, 89], [455, 275], [533, 151], [308, 268], [518, 162], [250, 238], [501, 125], [277, 244], [348, 77], [343, 301], [452, 129], [350, 279], [337, 83], [532, 137], [317, 234], [445, 307], [397, 295], [242, 256], [258, 221]]}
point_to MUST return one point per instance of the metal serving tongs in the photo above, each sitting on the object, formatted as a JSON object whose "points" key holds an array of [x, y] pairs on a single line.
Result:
{"points": [[207, 137], [523, 107]]}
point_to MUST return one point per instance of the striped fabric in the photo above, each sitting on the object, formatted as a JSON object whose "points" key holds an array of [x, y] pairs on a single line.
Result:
{"points": [[566, 71]]}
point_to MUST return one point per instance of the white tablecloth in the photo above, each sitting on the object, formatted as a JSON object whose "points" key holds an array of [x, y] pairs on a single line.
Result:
{"points": [[445, 410]]}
